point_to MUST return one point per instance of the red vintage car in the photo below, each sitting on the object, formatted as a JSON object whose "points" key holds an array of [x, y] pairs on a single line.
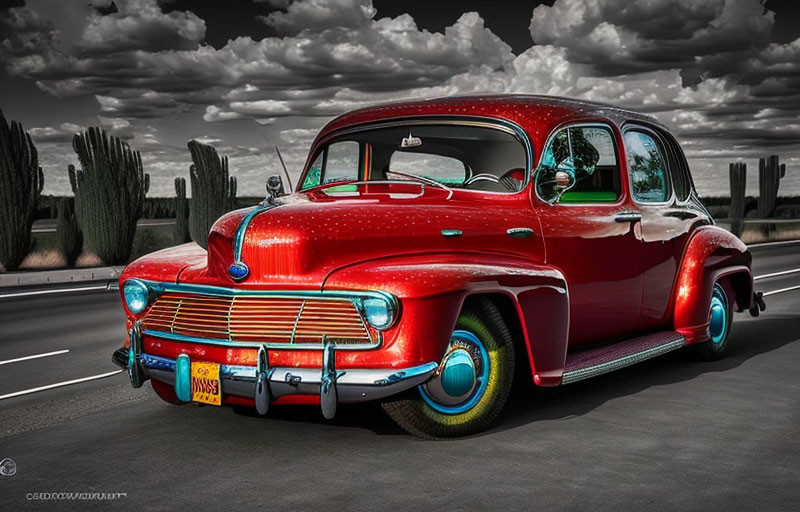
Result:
{"points": [[433, 249]]}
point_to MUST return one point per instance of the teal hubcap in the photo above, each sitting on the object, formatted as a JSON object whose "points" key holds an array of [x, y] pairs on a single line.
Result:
{"points": [[463, 376], [718, 320], [458, 375]]}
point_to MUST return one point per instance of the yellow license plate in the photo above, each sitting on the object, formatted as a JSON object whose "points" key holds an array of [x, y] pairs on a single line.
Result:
{"points": [[206, 387]]}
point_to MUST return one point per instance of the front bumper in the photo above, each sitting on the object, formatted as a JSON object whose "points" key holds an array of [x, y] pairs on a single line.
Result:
{"points": [[264, 384]]}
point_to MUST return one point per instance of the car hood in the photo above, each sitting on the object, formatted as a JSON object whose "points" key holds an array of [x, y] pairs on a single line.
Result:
{"points": [[302, 238]]}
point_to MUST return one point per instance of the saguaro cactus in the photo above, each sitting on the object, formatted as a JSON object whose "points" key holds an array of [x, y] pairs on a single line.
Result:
{"points": [[21, 182], [109, 193], [181, 231], [213, 191], [69, 235], [770, 173], [738, 177]]}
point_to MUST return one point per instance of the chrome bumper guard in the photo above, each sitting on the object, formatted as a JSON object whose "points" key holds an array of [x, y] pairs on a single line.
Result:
{"points": [[264, 384]]}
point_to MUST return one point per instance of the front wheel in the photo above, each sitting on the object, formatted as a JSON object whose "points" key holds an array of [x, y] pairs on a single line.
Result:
{"points": [[472, 383], [720, 315]]}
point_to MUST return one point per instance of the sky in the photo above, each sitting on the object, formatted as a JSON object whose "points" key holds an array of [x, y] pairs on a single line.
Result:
{"points": [[246, 75]]}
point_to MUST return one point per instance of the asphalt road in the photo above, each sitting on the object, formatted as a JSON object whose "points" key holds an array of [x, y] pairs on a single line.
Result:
{"points": [[668, 434]]}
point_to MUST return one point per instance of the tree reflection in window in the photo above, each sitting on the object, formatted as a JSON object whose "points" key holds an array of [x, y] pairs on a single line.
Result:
{"points": [[646, 168]]}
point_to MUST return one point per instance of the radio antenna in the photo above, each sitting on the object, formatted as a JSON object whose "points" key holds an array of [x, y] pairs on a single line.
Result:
{"points": [[280, 157]]}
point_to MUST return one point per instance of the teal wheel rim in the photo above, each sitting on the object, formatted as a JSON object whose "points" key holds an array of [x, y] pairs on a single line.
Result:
{"points": [[718, 315], [460, 376]]}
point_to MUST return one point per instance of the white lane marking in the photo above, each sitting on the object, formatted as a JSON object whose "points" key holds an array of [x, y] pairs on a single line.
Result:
{"points": [[59, 384], [776, 274], [37, 356], [58, 290], [773, 292], [780, 242]]}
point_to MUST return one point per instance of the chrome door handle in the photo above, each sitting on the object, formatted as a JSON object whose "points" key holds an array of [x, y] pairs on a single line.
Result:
{"points": [[628, 216]]}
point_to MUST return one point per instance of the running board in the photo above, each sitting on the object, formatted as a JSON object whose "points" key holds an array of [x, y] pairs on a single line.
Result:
{"points": [[597, 361]]}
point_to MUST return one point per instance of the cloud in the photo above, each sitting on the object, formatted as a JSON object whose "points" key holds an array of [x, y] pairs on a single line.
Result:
{"points": [[61, 133], [311, 15], [709, 69], [140, 25], [647, 35], [168, 74]]}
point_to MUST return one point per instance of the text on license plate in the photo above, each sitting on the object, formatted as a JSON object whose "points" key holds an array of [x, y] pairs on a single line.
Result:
{"points": [[206, 387]]}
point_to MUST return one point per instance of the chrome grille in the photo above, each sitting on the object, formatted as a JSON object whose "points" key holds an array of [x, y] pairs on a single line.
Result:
{"points": [[276, 321]]}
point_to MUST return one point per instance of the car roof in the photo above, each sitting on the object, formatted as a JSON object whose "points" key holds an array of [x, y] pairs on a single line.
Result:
{"points": [[538, 115]]}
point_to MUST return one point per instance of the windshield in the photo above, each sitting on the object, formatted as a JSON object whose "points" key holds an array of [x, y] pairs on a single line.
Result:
{"points": [[451, 155]]}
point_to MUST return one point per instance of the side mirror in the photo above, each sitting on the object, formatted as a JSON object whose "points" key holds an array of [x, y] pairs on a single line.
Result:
{"points": [[274, 187], [565, 179]]}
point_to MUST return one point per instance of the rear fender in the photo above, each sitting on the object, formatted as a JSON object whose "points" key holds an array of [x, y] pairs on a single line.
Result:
{"points": [[712, 255], [432, 290]]}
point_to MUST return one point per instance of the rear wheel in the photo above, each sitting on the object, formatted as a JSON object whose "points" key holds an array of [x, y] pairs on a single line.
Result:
{"points": [[720, 315], [472, 382]]}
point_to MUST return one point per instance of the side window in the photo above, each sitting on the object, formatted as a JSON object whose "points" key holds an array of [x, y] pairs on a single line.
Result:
{"points": [[338, 162], [314, 173], [647, 168], [342, 162], [588, 156]]}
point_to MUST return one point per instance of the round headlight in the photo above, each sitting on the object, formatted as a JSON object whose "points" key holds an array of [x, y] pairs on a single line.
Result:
{"points": [[136, 296], [378, 312]]}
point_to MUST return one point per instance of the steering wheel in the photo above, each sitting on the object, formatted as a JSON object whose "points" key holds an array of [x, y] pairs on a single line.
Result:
{"points": [[513, 178]]}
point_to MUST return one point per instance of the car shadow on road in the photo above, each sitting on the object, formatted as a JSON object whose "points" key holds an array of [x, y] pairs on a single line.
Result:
{"points": [[748, 339], [532, 404]]}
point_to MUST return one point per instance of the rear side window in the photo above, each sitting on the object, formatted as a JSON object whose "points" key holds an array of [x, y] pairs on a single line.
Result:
{"points": [[587, 154], [679, 169], [647, 168]]}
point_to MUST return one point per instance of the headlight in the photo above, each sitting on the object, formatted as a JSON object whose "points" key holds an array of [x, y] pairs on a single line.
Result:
{"points": [[136, 295], [379, 312]]}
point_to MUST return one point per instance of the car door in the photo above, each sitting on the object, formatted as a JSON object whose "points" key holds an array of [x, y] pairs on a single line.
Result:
{"points": [[664, 221], [590, 230]]}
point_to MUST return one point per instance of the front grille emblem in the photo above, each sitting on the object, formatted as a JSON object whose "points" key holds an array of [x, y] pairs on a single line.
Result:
{"points": [[238, 271]]}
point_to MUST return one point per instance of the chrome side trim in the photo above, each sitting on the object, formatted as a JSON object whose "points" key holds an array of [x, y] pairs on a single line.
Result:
{"points": [[616, 364], [452, 232], [238, 240]]}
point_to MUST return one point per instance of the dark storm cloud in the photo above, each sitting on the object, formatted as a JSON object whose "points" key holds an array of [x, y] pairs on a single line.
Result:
{"points": [[712, 69], [646, 35]]}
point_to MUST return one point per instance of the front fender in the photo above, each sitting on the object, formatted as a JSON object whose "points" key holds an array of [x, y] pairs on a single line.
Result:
{"points": [[432, 289], [712, 254]]}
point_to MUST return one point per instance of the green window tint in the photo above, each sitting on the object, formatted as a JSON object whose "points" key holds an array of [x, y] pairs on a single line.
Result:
{"points": [[314, 173]]}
